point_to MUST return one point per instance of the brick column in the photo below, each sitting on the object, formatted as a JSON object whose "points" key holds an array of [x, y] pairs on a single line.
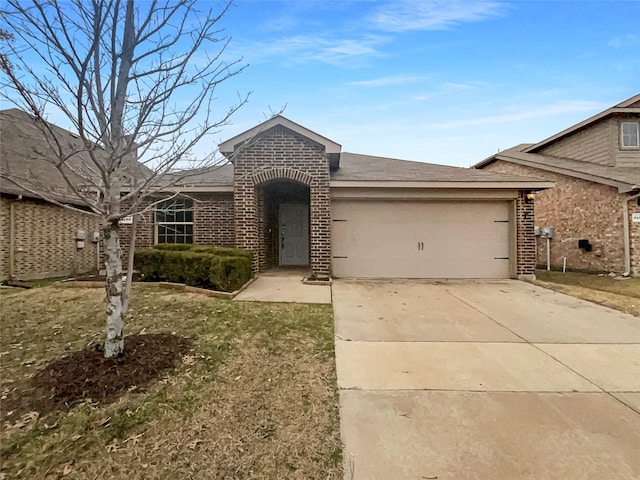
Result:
{"points": [[320, 206], [246, 217], [526, 240]]}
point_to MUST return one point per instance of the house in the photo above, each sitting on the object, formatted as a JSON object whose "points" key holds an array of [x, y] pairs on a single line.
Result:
{"points": [[594, 210], [295, 199], [38, 238]]}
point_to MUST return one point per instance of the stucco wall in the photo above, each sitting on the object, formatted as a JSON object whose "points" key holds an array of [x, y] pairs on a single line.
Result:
{"points": [[45, 240], [579, 209]]}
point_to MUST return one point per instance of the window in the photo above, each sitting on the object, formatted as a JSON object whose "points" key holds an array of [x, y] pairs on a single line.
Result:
{"points": [[174, 221], [630, 134]]}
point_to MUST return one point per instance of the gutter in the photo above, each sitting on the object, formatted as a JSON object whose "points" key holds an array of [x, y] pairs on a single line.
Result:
{"points": [[627, 234]]}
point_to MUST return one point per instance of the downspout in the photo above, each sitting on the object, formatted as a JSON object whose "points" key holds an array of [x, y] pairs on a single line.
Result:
{"points": [[627, 234]]}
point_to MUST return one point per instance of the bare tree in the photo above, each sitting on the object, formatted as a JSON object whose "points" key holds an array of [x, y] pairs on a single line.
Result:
{"points": [[136, 82]]}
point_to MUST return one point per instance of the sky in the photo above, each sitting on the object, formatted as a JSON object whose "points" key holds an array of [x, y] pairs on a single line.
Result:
{"points": [[440, 81], [448, 82]]}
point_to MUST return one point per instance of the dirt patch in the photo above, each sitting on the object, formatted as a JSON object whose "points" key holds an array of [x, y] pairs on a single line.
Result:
{"points": [[87, 375]]}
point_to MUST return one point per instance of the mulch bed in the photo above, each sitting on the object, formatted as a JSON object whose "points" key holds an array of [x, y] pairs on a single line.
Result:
{"points": [[87, 375]]}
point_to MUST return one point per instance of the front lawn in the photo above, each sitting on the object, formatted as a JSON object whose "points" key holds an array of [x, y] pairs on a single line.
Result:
{"points": [[252, 394], [620, 294]]}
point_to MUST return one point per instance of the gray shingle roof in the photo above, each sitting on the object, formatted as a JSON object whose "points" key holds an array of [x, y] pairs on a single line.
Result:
{"points": [[23, 159], [356, 167], [26, 160], [624, 178], [367, 168], [215, 176]]}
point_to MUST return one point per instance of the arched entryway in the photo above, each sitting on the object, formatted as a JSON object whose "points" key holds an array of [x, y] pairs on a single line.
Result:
{"points": [[283, 224]]}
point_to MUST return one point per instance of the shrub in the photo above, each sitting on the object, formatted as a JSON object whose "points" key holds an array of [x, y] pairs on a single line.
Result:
{"points": [[216, 268], [173, 246]]}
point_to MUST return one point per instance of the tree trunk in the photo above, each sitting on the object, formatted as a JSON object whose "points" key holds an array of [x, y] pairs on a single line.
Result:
{"points": [[130, 258], [114, 343]]}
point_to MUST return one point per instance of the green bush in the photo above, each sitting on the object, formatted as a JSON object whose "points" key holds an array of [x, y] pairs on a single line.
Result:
{"points": [[173, 246], [216, 268]]}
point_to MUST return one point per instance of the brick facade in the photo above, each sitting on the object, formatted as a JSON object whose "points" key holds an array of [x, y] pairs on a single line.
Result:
{"points": [[579, 209], [280, 154], [44, 240], [525, 239], [213, 222]]}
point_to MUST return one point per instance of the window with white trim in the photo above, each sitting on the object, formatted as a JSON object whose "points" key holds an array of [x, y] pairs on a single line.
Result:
{"points": [[174, 221], [630, 134]]}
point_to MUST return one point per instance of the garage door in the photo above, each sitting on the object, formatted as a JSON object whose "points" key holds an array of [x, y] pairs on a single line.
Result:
{"points": [[386, 239]]}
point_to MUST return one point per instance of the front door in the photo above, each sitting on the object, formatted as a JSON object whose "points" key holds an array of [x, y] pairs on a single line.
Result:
{"points": [[294, 234]]}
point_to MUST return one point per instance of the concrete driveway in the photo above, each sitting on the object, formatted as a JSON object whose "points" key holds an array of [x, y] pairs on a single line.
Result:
{"points": [[484, 380]]}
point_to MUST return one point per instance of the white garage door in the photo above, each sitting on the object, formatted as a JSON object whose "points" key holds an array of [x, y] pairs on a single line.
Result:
{"points": [[387, 239]]}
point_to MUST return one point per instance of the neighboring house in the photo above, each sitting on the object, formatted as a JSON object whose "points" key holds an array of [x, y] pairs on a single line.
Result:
{"points": [[595, 207], [295, 199], [39, 239]]}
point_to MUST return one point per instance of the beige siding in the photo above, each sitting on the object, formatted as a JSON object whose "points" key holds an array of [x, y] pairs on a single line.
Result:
{"points": [[628, 158], [625, 157], [386, 239], [45, 240], [591, 144]]}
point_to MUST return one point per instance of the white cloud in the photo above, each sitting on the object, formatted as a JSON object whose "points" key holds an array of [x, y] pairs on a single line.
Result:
{"points": [[627, 40], [526, 113], [305, 48], [389, 81], [410, 15]]}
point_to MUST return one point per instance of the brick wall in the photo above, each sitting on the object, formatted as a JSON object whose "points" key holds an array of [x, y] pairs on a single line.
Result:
{"points": [[4, 238], [525, 238], [280, 154], [579, 209], [45, 240], [212, 222], [213, 219], [634, 230]]}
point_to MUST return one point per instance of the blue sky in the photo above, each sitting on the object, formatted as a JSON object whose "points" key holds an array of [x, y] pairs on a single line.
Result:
{"points": [[441, 81], [436, 81]]}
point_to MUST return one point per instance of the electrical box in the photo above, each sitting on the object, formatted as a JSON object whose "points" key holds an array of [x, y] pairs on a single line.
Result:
{"points": [[81, 235], [536, 231], [546, 232], [79, 244], [585, 245], [95, 237]]}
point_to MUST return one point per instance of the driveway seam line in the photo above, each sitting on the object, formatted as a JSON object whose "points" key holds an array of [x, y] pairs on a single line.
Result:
{"points": [[530, 343]]}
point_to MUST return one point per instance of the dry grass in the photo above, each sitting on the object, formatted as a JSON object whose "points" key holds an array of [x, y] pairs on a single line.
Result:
{"points": [[623, 295], [255, 398]]}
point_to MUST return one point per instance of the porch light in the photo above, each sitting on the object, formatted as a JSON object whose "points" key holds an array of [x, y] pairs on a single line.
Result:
{"points": [[530, 197]]}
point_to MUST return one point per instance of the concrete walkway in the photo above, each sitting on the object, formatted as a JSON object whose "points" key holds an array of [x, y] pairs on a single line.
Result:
{"points": [[285, 285], [484, 380]]}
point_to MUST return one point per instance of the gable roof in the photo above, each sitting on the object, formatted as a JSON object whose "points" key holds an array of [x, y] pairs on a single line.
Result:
{"points": [[23, 147], [630, 105], [26, 167], [625, 179], [228, 147], [367, 168]]}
